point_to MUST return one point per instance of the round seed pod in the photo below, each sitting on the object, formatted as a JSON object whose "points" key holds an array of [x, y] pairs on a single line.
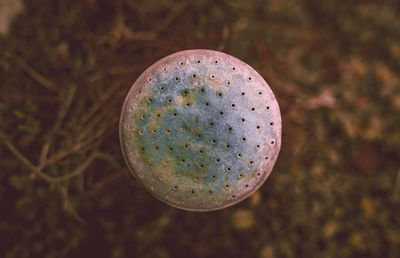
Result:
{"points": [[201, 130]]}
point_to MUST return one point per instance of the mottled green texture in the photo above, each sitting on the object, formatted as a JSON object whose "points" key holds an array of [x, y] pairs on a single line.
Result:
{"points": [[202, 129]]}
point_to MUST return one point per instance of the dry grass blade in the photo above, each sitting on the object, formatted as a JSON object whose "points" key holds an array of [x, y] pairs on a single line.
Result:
{"points": [[25, 161], [65, 105], [38, 172], [36, 76]]}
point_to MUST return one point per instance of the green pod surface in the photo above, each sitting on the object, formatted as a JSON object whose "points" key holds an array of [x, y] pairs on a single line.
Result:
{"points": [[201, 130]]}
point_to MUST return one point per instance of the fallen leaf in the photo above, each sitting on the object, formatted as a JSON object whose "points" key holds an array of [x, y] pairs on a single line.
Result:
{"points": [[367, 206], [243, 219], [267, 252], [325, 99], [255, 199], [357, 241], [330, 229]]}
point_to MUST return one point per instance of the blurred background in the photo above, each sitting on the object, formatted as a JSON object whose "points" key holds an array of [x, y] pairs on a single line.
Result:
{"points": [[66, 66]]}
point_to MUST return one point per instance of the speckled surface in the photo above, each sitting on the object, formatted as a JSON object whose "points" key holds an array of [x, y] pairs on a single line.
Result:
{"points": [[201, 130]]}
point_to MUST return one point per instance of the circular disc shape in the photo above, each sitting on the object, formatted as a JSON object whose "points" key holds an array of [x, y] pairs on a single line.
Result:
{"points": [[201, 130]]}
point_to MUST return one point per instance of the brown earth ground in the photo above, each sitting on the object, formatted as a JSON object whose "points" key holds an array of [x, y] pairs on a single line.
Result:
{"points": [[65, 67]]}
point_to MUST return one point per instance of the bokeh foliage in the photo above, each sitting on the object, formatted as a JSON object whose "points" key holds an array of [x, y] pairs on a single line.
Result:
{"points": [[66, 66]]}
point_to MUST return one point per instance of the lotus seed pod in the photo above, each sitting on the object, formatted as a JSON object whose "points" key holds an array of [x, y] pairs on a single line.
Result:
{"points": [[201, 130]]}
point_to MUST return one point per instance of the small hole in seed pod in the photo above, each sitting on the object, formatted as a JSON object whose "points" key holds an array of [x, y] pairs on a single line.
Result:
{"points": [[258, 127], [258, 174], [202, 165], [218, 160], [162, 88], [258, 146], [267, 107], [272, 142], [214, 141], [175, 187], [243, 93], [213, 176], [157, 148], [198, 61], [220, 94], [230, 128], [201, 151], [266, 157], [229, 169], [251, 162], [228, 82], [207, 104], [188, 104], [186, 145], [192, 191], [243, 119], [221, 113], [211, 123], [194, 75], [260, 93], [239, 154], [233, 196], [174, 114], [227, 186], [228, 146], [252, 109], [170, 148], [249, 78], [181, 63], [271, 123], [212, 76], [176, 78], [169, 100], [244, 139], [165, 69], [233, 105], [202, 90], [216, 62], [149, 79], [246, 186]]}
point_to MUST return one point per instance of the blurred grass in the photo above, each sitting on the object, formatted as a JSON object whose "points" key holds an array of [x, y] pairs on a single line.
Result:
{"points": [[66, 66]]}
